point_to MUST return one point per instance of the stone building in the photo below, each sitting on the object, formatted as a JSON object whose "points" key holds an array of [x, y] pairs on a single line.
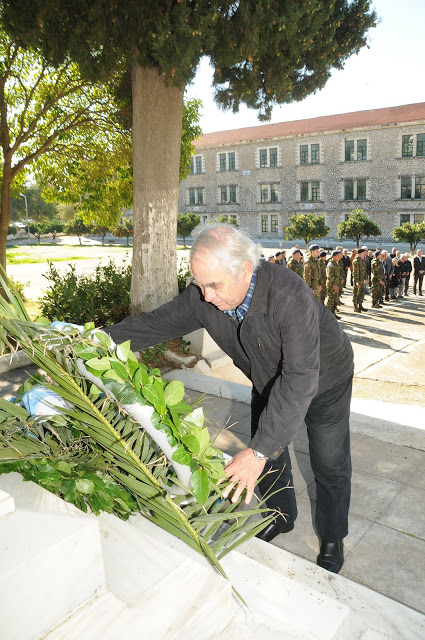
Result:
{"points": [[371, 160]]}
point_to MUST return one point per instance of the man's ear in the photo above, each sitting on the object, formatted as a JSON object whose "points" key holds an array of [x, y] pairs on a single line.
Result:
{"points": [[247, 270]]}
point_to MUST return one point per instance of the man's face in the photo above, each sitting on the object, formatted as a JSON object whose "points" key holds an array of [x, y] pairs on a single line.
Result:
{"points": [[420, 253], [223, 290], [314, 253]]}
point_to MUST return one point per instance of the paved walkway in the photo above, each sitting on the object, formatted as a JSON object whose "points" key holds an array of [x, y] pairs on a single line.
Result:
{"points": [[385, 549]]}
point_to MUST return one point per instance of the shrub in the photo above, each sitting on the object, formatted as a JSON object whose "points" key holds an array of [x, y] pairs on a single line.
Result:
{"points": [[102, 297], [182, 274]]}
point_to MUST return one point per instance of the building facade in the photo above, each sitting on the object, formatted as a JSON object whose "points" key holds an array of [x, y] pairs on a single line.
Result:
{"points": [[371, 160]]}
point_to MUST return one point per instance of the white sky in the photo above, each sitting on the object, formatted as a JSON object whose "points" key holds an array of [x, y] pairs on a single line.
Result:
{"points": [[390, 73]]}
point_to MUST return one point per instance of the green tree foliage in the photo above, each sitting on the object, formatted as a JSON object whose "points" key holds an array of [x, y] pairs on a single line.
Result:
{"points": [[224, 219], [263, 52], [77, 228], [43, 112], [124, 230], [99, 180], [100, 230], [411, 233], [357, 226], [38, 208], [186, 223], [190, 132], [37, 229], [54, 226], [307, 226]]}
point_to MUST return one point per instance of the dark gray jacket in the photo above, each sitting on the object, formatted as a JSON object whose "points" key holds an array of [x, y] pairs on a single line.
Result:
{"points": [[289, 345]]}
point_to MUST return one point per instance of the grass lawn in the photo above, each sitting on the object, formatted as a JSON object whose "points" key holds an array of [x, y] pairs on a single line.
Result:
{"points": [[40, 253]]}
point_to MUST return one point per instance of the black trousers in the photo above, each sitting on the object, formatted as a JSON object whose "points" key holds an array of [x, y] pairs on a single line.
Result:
{"points": [[328, 431], [418, 278]]}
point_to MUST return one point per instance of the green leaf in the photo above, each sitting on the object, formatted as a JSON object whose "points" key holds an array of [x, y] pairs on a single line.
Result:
{"points": [[200, 486], [173, 392], [112, 375], [141, 377], [64, 466], [85, 352], [42, 320], [181, 456], [89, 326], [120, 370], [99, 364], [195, 418], [123, 351], [203, 437], [83, 485], [150, 392], [192, 443], [103, 339]]}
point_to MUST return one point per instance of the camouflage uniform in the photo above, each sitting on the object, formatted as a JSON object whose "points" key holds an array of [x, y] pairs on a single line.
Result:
{"points": [[296, 266], [359, 276], [332, 280], [377, 275], [341, 278], [312, 275], [322, 279]]}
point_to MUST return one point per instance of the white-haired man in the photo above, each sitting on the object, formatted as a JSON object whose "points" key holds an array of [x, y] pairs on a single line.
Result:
{"points": [[300, 363]]}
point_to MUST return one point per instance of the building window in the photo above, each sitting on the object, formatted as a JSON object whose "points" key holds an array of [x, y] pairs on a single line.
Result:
{"points": [[196, 195], [268, 157], [355, 150], [227, 161], [228, 194], [407, 146], [196, 164], [412, 187], [420, 188], [420, 144], [410, 142], [269, 222], [418, 217], [404, 217], [310, 191], [269, 192], [355, 189], [310, 153]]}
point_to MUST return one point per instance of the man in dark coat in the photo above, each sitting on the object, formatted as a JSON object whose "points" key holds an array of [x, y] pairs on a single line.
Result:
{"points": [[419, 271], [300, 363]]}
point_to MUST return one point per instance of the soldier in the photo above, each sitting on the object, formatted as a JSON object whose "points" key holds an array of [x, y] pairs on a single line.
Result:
{"points": [[322, 274], [341, 275], [377, 278], [295, 263], [333, 280], [359, 280], [311, 270]]}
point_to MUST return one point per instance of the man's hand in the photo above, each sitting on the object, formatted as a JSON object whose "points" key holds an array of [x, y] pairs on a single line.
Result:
{"points": [[243, 471]]}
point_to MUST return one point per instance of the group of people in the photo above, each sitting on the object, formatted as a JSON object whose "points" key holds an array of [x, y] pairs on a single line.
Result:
{"points": [[387, 275]]}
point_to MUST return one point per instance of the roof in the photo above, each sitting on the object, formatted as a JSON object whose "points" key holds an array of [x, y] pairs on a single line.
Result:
{"points": [[355, 120]]}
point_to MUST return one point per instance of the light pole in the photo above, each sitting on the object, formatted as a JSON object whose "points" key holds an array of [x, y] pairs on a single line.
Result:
{"points": [[26, 211]]}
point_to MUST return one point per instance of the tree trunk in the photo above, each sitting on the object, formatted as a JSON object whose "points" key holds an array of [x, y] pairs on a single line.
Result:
{"points": [[157, 118], [5, 210]]}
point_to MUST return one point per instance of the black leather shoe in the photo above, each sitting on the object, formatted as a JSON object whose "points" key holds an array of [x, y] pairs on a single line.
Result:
{"points": [[331, 556], [363, 308], [274, 529]]}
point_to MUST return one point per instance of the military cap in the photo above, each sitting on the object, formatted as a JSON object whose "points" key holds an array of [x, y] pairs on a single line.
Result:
{"points": [[270, 257], [377, 253], [313, 247], [322, 253], [336, 252], [278, 253], [361, 250], [295, 250]]}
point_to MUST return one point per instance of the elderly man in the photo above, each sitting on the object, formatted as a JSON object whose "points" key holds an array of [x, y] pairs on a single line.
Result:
{"points": [[300, 363]]}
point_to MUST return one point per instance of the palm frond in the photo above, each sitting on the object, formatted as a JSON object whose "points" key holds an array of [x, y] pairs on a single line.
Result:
{"points": [[96, 436]]}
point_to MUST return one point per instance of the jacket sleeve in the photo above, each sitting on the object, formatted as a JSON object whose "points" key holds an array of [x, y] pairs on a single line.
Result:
{"points": [[297, 384], [171, 320]]}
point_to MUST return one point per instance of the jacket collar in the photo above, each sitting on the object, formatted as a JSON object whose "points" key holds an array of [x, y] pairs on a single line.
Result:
{"points": [[260, 298]]}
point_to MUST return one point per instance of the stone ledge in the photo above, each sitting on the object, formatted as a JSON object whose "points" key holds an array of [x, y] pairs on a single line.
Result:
{"points": [[14, 361]]}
